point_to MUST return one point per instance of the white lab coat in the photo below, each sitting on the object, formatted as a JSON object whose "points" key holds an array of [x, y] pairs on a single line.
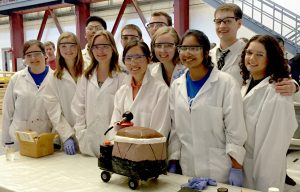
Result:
{"points": [[92, 108], [150, 108], [270, 122], [203, 136], [58, 96], [156, 72], [232, 60], [23, 106]]}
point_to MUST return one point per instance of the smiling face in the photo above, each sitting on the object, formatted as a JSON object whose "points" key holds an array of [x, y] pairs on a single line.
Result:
{"points": [[102, 49], [226, 25], [91, 30], [136, 63], [192, 56], [34, 57], [68, 49], [164, 48], [256, 60], [129, 35]]}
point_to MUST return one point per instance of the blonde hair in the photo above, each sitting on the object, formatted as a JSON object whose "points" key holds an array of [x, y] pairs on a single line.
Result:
{"points": [[60, 61]]}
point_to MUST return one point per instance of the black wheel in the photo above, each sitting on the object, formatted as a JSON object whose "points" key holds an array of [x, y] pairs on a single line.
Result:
{"points": [[133, 184], [105, 176]]}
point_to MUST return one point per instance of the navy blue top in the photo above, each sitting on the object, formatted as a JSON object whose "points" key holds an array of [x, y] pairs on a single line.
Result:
{"points": [[39, 78], [193, 87]]}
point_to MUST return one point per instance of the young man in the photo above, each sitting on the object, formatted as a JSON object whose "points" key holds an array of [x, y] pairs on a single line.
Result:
{"points": [[158, 19], [227, 54], [93, 24], [50, 49]]}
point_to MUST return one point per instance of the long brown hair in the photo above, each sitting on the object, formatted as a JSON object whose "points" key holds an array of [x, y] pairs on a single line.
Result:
{"points": [[114, 61], [60, 61]]}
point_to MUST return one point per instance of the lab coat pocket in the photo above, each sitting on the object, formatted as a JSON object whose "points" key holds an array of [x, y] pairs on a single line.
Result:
{"points": [[219, 164]]}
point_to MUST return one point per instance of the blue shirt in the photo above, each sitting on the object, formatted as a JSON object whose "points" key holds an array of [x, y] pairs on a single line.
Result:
{"points": [[193, 87], [38, 78]]}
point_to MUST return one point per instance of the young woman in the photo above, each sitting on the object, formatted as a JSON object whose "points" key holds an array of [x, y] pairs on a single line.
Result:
{"points": [[146, 97], [93, 102], [61, 88], [23, 101], [208, 131], [270, 118], [163, 48]]}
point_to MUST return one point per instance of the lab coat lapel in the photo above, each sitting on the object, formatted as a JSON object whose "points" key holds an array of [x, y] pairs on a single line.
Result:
{"points": [[68, 77], [262, 84], [213, 77], [182, 89]]}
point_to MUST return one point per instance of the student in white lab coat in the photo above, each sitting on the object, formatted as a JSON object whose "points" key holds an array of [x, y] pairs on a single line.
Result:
{"points": [[61, 88], [23, 101], [93, 102], [163, 49], [143, 95], [269, 117], [208, 130]]}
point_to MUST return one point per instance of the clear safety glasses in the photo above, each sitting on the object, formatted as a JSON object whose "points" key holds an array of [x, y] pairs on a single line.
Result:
{"points": [[155, 25], [191, 49], [94, 28], [130, 38], [101, 47], [68, 45], [34, 54], [166, 46], [136, 58], [226, 20]]}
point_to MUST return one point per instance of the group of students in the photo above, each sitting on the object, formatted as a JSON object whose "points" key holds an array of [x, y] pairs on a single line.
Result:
{"points": [[230, 126]]}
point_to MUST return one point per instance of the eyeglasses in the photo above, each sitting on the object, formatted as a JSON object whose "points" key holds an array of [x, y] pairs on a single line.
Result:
{"points": [[166, 46], [34, 54], [192, 49], [130, 37], [67, 46], [155, 24], [94, 27], [249, 53], [131, 58], [101, 47], [226, 20]]}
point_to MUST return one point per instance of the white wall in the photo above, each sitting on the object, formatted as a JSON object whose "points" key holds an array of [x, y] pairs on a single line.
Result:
{"points": [[201, 17]]}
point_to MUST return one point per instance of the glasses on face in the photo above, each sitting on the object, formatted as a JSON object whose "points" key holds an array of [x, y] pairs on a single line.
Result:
{"points": [[101, 47], [34, 54], [166, 46], [191, 49], [155, 24], [136, 58], [226, 20], [130, 38], [258, 54], [64, 46], [94, 27]]}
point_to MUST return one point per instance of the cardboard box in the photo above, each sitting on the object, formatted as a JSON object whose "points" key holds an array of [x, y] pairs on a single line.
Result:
{"points": [[40, 146]]}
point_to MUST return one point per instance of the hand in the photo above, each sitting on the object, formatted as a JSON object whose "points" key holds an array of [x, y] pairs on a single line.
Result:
{"points": [[174, 167], [236, 177], [286, 87], [69, 147], [199, 183]]}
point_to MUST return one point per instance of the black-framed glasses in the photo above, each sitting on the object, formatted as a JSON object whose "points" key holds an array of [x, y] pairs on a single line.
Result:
{"points": [[103, 47], [192, 49], [226, 20]]}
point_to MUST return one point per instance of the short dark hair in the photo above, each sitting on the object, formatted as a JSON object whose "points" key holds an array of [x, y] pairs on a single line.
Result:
{"points": [[166, 15], [203, 40], [279, 39], [134, 27], [238, 13], [98, 19], [30, 43]]}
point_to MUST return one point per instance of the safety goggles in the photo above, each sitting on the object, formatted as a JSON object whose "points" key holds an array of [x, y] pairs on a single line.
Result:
{"points": [[67, 45], [102, 47], [155, 24], [166, 46], [34, 54], [136, 58], [192, 49], [226, 20]]}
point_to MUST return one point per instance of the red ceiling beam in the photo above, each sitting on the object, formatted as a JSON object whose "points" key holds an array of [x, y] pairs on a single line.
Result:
{"points": [[56, 21], [44, 21], [181, 16], [121, 12], [17, 37], [82, 12]]}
